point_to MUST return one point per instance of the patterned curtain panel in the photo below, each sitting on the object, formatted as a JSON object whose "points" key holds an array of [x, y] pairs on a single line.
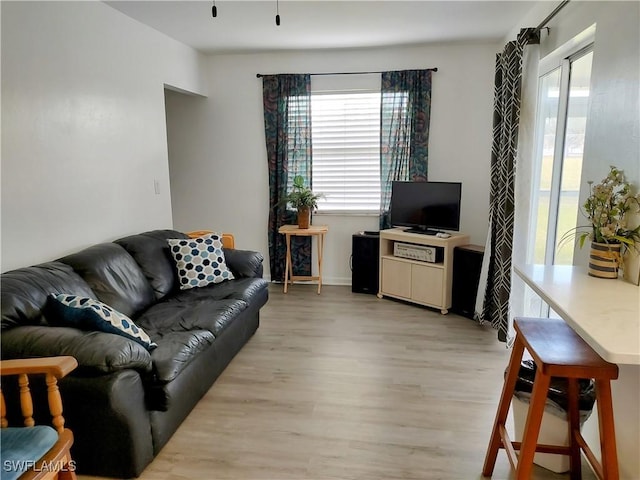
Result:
{"points": [[404, 131], [287, 126], [495, 279]]}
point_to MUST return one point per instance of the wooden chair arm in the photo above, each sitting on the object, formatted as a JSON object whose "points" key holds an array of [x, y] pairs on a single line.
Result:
{"points": [[56, 366], [53, 368]]}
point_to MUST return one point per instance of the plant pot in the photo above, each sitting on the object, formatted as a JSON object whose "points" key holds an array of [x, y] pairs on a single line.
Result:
{"points": [[604, 260], [304, 217]]}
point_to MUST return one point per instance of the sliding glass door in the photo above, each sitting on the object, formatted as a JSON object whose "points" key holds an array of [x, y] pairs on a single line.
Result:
{"points": [[562, 117], [563, 98]]}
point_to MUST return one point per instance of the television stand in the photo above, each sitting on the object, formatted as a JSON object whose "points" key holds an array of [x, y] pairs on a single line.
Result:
{"points": [[424, 283]]}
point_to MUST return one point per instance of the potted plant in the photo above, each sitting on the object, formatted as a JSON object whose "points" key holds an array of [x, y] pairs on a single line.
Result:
{"points": [[607, 208], [303, 200]]}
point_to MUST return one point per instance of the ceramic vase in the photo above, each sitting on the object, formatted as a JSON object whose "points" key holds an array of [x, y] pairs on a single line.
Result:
{"points": [[304, 217]]}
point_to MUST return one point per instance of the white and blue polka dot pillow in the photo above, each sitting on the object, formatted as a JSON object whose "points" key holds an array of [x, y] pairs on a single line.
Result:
{"points": [[88, 314], [200, 261]]}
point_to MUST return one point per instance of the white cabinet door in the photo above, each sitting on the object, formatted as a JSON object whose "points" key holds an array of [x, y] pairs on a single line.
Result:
{"points": [[396, 278], [427, 284]]}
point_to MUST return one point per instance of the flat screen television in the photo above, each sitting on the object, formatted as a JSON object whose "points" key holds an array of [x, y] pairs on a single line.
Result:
{"points": [[426, 207]]}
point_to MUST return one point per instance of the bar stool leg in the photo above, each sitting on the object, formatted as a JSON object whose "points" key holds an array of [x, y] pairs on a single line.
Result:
{"points": [[573, 417], [503, 407], [607, 430], [532, 426]]}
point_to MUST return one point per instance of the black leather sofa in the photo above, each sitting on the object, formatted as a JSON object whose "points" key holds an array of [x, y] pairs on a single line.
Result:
{"points": [[123, 402]]}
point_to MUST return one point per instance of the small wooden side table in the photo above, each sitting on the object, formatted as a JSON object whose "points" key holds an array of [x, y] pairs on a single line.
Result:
{"points": [[313, 230]]}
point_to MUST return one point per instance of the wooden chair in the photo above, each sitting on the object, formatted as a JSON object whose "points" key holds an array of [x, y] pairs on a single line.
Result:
{"points": [[228, 240], [20, 444]]}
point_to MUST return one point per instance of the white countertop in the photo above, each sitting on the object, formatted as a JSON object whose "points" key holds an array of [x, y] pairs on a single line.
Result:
{"points": [[605, 313]]}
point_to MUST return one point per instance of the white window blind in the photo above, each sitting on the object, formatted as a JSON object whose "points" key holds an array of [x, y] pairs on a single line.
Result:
{"points": [[346, 150]]}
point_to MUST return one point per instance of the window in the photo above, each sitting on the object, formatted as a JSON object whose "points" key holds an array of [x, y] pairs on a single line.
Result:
{"points": [[562, 118], [346, 140], [345, 130]]}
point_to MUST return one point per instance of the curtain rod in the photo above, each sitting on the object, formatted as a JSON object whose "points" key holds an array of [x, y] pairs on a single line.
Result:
{"points": [[260, 75], [552, 14], [435, 69]]}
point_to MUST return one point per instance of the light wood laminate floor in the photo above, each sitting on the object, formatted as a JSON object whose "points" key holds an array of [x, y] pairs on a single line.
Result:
{"points": [[347, 386]]}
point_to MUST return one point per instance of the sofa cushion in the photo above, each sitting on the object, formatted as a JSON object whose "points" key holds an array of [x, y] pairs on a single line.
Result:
{"points": [[176, 350], [246, 289], [93, 315], [200, 261], [114, 276], [96, 352], [176, 315], [24, 292], [151, 252]]}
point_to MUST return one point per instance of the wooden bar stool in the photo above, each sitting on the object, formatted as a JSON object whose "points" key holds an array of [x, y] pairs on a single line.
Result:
{"points": [[558, 351]]}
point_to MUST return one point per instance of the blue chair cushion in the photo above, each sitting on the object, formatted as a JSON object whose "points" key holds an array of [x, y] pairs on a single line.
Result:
{"points": [[20, 448]]}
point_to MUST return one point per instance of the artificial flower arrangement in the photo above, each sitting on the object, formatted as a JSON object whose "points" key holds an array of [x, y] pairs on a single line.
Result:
{"points": [[607, 208]]}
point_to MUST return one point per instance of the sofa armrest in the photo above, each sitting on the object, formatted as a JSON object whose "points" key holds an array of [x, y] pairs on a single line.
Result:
{"points": [[244, 263], [96, 352]]}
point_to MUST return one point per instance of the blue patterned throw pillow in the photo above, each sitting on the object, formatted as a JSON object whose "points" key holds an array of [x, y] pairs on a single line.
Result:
{"points": [[88, 314], [200, 261]]}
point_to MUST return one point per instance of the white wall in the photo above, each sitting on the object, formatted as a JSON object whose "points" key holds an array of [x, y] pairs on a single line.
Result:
{"points": [[83, 133], [217, 150]]}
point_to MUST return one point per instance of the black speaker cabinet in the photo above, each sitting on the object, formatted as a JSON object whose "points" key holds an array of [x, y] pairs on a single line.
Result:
{"points": [[467, 263], [365, 253]]}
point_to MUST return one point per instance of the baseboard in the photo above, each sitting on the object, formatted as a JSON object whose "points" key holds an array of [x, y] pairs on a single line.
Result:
{"points": [[338, 281]]}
